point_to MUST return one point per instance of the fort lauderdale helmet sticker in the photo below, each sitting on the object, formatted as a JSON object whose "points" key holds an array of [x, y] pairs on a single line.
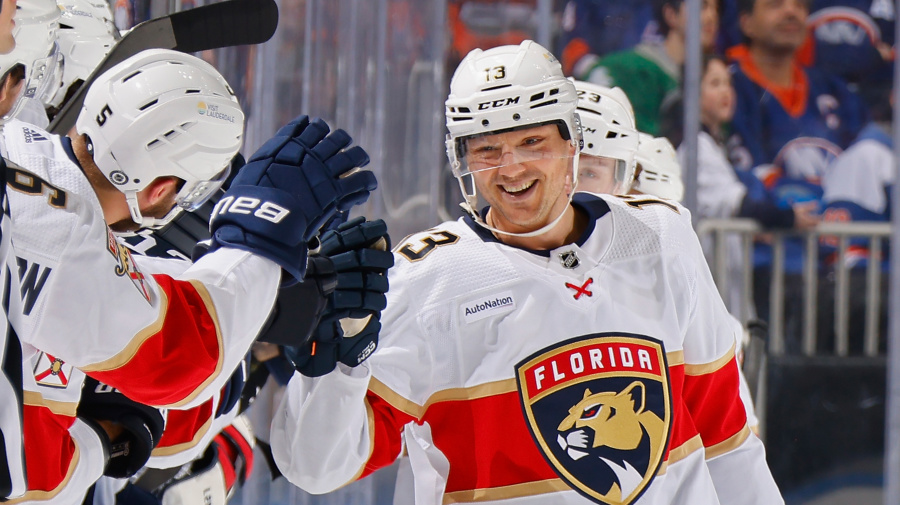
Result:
{"points": [[600, 410]]}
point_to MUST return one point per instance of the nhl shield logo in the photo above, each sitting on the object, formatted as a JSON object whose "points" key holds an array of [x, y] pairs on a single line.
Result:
{"points": [[599, 408], [569, 259]]}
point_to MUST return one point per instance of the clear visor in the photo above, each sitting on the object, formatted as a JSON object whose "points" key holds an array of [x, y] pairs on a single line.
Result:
{"points": [[526, 146], [193, 195], [40, 83], [598, 174]]}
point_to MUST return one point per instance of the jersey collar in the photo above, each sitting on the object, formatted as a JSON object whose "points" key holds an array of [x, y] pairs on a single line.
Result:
{"points": [[594, 206]]}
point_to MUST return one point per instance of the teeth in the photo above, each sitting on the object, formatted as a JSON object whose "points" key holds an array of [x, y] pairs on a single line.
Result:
{"points": [[519, 188]]}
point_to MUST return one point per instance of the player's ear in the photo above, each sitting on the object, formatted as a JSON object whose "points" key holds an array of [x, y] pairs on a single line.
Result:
{"points": [[161, 188]]}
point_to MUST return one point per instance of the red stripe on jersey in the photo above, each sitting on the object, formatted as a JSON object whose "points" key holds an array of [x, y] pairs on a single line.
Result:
{"points": [[683, 428], [227, 455], [170, 365], [183, 426], [48, 447], [387, 426], [237, 439], [714, 403], [487, 442]]}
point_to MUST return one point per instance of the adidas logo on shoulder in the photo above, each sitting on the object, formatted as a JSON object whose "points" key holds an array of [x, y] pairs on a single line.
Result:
{"points": [[33, 135]]}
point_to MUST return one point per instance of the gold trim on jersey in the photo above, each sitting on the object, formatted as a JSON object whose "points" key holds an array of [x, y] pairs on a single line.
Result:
{"points": [[175, 449], [453, 394], [130, 350], [128, 353], [684, 450], [708, 368], [59, 408], [729, 444], [211, 310], [507, 492], [47, 495], [370, 415], [675, 358]]}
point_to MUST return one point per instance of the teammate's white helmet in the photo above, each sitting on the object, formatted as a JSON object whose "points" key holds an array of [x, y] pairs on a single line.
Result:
{"points": [[502, 89], [660, 172], [162, 113], [86, 35], [610, 139], [37, 26]]}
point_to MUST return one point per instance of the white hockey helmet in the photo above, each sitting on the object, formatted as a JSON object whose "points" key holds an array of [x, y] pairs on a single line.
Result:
{"points": [[162, 113], [36, 53], [503, 89], [660, 172], [610, 139], [86, 35]]}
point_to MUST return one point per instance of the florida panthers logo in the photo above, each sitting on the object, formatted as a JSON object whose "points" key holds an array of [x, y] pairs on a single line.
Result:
{"points": [[125, 266], [599, 408]]}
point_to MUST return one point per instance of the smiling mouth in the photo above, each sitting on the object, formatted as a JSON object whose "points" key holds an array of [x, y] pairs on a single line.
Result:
{"points": [[518, 189]]}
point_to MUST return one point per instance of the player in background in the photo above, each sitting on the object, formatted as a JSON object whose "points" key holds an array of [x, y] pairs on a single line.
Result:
{"points": [[651, 72], [12, 456], [86, 35], [511, 336], [139, 154], [657, 174], [32, 72]]}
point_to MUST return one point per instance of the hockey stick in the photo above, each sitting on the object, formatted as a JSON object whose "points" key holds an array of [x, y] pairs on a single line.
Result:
{"points": [[224, 24]]}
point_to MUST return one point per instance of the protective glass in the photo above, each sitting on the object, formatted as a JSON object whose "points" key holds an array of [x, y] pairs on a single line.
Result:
{"points": [[41, 82], [598, 174], [527, 145], [193, 195]]}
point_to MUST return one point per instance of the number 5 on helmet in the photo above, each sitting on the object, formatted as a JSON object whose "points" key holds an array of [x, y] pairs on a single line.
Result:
{"points": [[289, 188]]}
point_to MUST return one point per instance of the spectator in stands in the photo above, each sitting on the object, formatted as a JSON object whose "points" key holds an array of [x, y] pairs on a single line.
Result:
{"points": [[592, 28], [650, 73], [723, 192], [790, 121]]}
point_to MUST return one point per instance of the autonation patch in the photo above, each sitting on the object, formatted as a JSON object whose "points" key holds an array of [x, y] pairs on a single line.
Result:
{"points": [[488, 305]]}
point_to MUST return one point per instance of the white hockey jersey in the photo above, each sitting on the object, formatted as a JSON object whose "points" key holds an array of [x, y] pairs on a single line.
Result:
{"points": [[598, 372], [12, 451], [83, 304]]}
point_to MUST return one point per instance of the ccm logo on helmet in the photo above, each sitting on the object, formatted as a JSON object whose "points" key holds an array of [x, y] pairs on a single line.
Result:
{"points": [[493, 104], [246, 205]]}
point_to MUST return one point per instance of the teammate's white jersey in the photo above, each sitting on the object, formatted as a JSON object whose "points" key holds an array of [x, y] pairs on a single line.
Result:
{"points": [[83, 304], [603, 368], [12, 453]]}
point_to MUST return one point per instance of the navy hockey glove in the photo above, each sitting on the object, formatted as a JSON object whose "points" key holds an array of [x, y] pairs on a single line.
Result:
{"points": [[331, 344], [299, 307], [360, 251], [348, 332], [142, 426], [288, 189]]}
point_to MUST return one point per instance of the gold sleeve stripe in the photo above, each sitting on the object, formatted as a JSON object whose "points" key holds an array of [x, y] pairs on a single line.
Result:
{"points": [[728, 445], [48, 495], [371, 417], [454, 394], [57, 407], [175, 449], [211, 310], [675, 358], [684, 450], [126, 354], [708, 368], [507, 492]]}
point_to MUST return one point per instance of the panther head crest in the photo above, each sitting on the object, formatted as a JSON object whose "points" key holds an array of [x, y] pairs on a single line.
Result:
{"points": [[616, 420]]}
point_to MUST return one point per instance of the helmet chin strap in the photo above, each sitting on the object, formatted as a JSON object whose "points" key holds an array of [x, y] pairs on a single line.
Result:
{"points": [[133, 207]]}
